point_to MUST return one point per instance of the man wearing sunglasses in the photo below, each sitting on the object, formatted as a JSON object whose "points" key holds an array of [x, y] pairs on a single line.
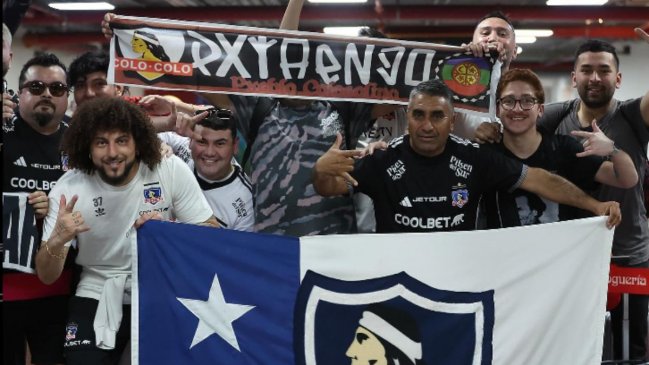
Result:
{"points": [[520, 104], [32, 164]]}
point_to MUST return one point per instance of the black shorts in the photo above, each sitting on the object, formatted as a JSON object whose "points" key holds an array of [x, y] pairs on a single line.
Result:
{"points": [[79, 336], [39, 321]]}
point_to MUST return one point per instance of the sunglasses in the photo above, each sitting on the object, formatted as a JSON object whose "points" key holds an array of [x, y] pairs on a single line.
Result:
{"points": [[224, 114], [38, 87]]}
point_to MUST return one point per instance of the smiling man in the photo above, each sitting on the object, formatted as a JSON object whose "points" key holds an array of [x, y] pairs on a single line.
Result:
{"points": [[596, 76], [31, 310], [226, 187], [119, 182], [430, 180], [520, 104]]}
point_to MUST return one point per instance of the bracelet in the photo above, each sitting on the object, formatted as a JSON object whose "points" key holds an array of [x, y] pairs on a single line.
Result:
{"points": [[59, 256], [613, 153]]}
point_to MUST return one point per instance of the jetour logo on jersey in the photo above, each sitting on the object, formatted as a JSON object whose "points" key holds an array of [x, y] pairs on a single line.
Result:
{"points": [[153, 195]]}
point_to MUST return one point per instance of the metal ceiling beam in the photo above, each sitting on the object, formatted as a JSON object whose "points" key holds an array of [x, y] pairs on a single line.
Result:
{"points": [[355, 14]]}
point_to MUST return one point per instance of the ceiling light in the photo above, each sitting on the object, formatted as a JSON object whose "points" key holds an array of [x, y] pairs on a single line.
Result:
{"points": [[575, 2], [525, 40], [533, 32], [82, 6], [348, 31], [338, 1]]}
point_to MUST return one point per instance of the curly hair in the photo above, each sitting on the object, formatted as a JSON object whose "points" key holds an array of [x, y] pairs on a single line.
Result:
{"points": [[109, 114]]}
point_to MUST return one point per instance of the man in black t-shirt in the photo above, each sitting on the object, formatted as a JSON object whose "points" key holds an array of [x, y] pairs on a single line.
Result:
{"points": [[431, 181], [520, 103], [32, 164]]}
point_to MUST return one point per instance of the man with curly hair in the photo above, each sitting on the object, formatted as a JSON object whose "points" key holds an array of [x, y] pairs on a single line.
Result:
{"points": [[119, 182]]}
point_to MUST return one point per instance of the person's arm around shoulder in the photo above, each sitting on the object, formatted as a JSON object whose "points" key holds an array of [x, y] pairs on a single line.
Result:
{"points": [[556, 188], [620, 171], [50, 258], [331, 172]]}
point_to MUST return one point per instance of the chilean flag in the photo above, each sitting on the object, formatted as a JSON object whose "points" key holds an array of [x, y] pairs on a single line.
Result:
{"points": [[525, 295]]}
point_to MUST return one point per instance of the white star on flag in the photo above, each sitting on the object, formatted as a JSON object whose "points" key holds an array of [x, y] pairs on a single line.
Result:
{"points": [[215, 315]]}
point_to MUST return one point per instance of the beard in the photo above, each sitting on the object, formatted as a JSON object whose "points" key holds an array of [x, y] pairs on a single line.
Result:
{"points": [[43, 119], [116, 180], [595, 102]]}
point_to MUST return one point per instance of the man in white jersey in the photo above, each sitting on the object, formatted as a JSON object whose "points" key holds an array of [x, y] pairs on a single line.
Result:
{"points": [[226, 187], [119, 182]]}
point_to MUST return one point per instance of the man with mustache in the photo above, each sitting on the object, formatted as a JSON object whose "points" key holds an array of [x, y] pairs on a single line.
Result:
{"points": [[32, 164]]}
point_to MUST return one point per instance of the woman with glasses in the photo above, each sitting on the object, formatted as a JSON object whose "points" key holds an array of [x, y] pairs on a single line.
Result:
{"points": [[520, 99]]}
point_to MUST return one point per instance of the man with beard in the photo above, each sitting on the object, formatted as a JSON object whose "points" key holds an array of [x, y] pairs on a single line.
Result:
{"points": [[596, 75], [33, 311], [119, 182]]}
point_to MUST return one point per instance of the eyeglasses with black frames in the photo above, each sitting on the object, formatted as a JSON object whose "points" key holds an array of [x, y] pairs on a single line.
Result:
{"points": [[38, 87], [509, 103]]}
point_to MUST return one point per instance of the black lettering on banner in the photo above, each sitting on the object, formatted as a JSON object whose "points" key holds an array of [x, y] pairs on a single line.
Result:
{"points": [[20, 234]]}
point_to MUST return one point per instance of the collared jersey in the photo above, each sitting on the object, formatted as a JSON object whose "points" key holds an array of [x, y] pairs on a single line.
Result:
{"points": [[414, 193]]}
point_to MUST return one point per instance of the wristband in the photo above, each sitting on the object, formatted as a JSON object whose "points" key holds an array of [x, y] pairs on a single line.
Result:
{"points": [[614, 152]]}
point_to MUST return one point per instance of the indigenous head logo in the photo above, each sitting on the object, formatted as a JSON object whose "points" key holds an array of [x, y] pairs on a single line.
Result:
{"points": [[467, 77], [151, 54], [153, 195], [70, 331], [390, 320], [459, 195], [148, 47]]}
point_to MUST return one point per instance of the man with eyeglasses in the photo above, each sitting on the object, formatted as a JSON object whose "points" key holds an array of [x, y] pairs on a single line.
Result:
{"points": [[430, 180], [32, 311], [88, 77], [225, 185], [520, 104]]}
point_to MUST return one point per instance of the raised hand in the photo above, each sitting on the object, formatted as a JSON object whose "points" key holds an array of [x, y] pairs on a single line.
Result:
{"points": [[69, 222], [595, 142], [642, 34], [337, 162], [105, 26]]}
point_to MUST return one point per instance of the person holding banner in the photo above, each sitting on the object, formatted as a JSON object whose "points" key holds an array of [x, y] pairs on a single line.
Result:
{"points": [[285, 137], [520, 104], [429, 180], [119, 182]]}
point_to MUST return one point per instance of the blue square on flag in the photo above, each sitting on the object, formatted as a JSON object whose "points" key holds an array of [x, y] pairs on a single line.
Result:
{"points": [[209, 295]]}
